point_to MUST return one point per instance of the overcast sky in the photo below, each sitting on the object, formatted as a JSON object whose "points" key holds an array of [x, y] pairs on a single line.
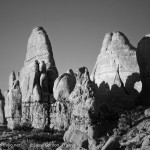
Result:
{"points": [[76, 29]]}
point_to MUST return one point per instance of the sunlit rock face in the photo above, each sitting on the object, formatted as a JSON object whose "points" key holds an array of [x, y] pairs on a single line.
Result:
{"points": [[37, 79], [116, 73], [39, 65], [60, 114], [32, 91], [85, 110], [143, 57], [12, 107]]}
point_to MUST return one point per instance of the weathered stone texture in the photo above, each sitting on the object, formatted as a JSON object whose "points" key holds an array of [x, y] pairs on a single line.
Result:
{"points": [[116, 72], [31, 91], [37, 78], [60, 114], [85, 109]]}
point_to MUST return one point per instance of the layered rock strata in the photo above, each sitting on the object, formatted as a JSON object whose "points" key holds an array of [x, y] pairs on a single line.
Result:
{"points": [[116, 73]]}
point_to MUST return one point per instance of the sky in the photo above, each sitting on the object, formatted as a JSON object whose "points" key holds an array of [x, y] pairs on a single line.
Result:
{"points": [[76, 29]]}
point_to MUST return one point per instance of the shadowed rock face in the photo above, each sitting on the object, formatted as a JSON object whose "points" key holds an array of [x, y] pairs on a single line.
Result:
{"points": [[2, 114], [116, 71], [143, 57]]}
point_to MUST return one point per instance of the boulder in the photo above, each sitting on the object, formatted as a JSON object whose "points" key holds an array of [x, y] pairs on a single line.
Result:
{"points": [[116, 73], [60, 114], [64, 85], [143, 55]]}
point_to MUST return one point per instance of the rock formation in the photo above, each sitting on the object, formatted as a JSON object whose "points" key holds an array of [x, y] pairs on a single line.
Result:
{"points": [[13, 102], [32, 91], [64, 85], [116, 73], [37, 78], [61, 110], [85, 111], [2, 114], [143, 54]]}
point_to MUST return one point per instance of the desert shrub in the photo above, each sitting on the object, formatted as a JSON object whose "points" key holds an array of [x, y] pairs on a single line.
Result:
{"points": [[128, 119]]}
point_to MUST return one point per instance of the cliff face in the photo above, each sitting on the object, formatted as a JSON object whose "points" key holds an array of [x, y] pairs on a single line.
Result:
{"points": [[116, 72]]}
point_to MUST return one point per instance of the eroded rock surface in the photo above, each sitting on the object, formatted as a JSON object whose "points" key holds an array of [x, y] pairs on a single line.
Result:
{"points": [[31, 92], [60, 115], [85, 111], [37, 78], [116, 73], [13, 101]]}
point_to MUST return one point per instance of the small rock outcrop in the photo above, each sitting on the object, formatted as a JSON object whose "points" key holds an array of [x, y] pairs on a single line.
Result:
{"points": [[64, 85], [13, 97], [116, 73], [143, 54], [60, 109], [85, 111]]}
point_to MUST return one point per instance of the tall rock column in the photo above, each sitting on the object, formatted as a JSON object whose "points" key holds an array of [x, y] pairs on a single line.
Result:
{"points": [[143, 57], [85, 111], [13, 103], [2, 113], [37, 79]]}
